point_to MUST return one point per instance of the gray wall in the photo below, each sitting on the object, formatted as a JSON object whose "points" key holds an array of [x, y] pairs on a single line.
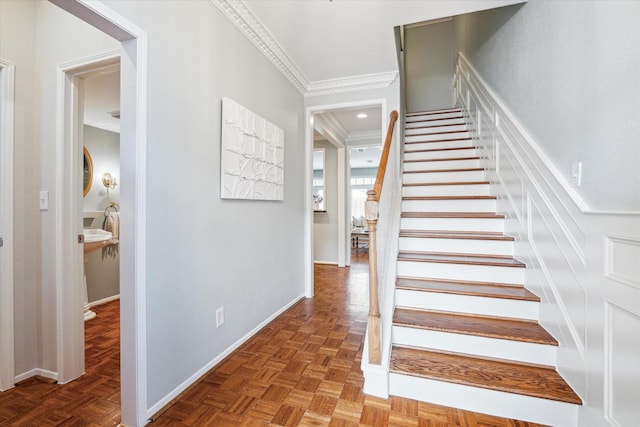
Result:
{"points": [[325, 224], [203, 252], [17, 44], [103, 267], [429, 65], [569, 71]]}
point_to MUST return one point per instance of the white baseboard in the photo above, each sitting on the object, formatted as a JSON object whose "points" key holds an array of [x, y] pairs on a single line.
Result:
{"points": [[37, 373], [193, 378], [104, 301], [325, 262]]}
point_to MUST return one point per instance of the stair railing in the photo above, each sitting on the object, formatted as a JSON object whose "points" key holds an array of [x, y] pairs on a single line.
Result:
{"points": [[371, 215]]}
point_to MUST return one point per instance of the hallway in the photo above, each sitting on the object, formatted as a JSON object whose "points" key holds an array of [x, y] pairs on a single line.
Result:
{"points": [[302, 369]]}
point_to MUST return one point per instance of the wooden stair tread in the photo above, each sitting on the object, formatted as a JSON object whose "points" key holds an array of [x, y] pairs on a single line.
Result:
{"points": [[468, 324], [480, 289], [466, 259], [446, 234], [468, 138], [434, 150], [449, 198], [445, 170], [431, 184], [448, 159], [489, 215], [528, 380]]}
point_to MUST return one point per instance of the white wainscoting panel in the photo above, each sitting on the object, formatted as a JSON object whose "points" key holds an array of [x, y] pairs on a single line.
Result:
{"points": [[623, 260], [622, 385], [584, 265]]}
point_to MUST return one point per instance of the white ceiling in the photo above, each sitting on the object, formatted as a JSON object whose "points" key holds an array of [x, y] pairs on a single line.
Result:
{"points": [[321, 43], [101, 97]]}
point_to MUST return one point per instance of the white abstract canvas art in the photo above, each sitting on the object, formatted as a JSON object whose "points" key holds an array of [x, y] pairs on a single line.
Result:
{"points": [[252, 155]]}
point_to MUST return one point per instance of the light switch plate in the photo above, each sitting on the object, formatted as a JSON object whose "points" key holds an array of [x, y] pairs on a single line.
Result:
{"points": [[576, 174], [44, 200]]}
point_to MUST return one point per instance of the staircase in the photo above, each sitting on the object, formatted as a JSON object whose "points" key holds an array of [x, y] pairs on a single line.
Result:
{"points": [[465, 331]]}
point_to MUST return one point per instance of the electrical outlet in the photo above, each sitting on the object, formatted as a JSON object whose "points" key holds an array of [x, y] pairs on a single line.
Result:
{"points": [[576, 174], [219, 317]]}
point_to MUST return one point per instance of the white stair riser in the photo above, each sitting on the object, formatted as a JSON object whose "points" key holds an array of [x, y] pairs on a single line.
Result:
{"points": [[438, 115], [436, 137], [431, 127], [456, 205], [465, 143], [414, 123], [448, 154], [429, 177], [446, 190], [458, 246], [497, 403], [459, 224], [442, 164], [473, 345], [482, 305], [478, 273]]}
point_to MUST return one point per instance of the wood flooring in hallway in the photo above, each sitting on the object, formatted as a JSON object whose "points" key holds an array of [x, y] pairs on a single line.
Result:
{"points": [[303, 369]]}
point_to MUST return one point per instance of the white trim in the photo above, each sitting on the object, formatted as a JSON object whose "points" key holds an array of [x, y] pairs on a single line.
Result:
{"points": [[325, 262], [198, 374], [7, 102], [343, 214], [104, 301], [133, 273], [241, 16], [37, 372], [351, 84], [366, 135], [68, 220]]}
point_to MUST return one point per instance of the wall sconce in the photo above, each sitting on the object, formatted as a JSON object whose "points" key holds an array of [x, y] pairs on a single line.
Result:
{"points": [[109, 181]]}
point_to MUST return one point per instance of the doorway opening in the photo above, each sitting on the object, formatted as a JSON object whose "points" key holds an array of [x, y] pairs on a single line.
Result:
{"points": [[337, 128], [132, 244]]}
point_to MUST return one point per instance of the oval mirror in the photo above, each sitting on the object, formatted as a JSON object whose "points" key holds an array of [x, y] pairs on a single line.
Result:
{"points": [[87, 172]]}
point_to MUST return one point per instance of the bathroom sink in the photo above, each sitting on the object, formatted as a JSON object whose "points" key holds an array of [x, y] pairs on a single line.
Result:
{"points": [[95, 238]]}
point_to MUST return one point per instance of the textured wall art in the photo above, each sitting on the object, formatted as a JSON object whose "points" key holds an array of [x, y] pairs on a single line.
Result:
{"points": [[252, 155]]}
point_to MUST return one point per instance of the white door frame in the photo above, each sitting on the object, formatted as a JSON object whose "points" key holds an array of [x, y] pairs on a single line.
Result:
{"points": [[69, 253], [133, 173], [7, 102], [344, 237]]}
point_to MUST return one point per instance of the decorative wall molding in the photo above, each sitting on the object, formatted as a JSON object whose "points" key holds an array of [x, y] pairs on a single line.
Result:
{"points": [[621, 260], [248, 24], [583, 264], [241, 16], [544, 216]]}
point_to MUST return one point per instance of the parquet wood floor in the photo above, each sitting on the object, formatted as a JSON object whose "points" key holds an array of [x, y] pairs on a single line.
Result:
{"points": [[303, 369]]}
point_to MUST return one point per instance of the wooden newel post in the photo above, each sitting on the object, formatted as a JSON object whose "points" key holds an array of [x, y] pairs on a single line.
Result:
{"points": [[373, 321]]}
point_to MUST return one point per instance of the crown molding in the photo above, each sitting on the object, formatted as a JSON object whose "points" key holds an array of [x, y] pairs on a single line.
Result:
{"points": [[241, 16], [349, 84]]}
